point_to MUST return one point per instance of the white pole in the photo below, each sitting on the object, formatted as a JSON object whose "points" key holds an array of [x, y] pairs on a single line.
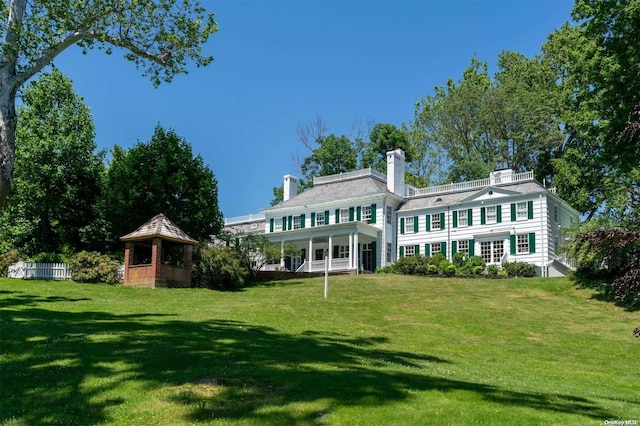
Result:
{"points": [[326, 277]]}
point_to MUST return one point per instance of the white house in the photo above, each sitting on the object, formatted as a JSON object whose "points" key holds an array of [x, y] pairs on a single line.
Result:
{"points": [[365, 219]]}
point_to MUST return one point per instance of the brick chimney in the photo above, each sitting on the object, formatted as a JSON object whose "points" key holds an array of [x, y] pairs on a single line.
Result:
{"points": [[395, 172], [290, 187]]}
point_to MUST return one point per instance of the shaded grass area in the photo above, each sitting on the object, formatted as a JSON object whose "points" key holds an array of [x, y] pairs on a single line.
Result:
{"points": [[380, 350]]}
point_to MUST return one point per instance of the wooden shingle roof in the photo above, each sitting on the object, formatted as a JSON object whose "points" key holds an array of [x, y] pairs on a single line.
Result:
{"points": [[159, 226]]}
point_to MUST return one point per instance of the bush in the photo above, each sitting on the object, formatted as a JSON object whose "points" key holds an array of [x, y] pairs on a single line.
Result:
{"points": [[459, 259], [218, 268], [444, 265], [520, 269], [432, 269], [385, 270], [48, 258], [492, 270], [411, 265], [477, 270], [93, 267], [471, 265], [6, 260], [450, 270]]}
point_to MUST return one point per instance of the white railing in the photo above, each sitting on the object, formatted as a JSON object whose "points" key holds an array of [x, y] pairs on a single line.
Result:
{"points": [[244, 219], [349, 175], [318, 265], [42, 271], [473, 184]]}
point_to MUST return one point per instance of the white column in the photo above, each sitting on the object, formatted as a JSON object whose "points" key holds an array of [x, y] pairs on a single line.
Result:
{"points": [[282, 254], [309, 257], [330, 250], [351, 250], [356, 252]]}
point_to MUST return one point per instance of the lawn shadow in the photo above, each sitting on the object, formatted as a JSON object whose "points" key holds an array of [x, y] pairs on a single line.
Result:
{"points": [[255, 370]]}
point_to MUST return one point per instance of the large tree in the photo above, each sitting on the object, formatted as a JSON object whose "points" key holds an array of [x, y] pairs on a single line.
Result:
{"points": [[160, 36], [161, 176], [58, 174]]}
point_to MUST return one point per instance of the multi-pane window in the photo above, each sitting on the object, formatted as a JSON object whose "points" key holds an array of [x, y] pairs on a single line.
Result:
{"points": [[498, 250], [522, 243], [522, 211], [492, 214], [492, 251], [320, 219], [409, 251], [343, 252], [555, 213], [436, 248], [463, 246], [296, 222], [485, 251], [389, 212], [344, 215], [435, 221], [389, 246], [408, 224], [277, 225], [463, 219], [366, 214]]}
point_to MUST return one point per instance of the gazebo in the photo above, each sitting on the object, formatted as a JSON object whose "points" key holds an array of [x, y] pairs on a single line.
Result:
{"points": [[158, 254]]}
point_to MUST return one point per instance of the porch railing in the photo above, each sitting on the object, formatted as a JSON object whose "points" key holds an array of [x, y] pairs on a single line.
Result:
{"points": [[318, 265]]}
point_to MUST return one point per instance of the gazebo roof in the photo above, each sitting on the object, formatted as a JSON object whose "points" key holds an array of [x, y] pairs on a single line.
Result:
{"points": [[159, 226]]}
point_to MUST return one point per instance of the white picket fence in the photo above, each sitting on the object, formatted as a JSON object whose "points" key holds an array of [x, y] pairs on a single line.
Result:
{"points": [[40, 271]]}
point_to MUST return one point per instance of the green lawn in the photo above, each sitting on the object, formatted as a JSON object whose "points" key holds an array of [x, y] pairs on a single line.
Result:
{"points": [[382, 350]]}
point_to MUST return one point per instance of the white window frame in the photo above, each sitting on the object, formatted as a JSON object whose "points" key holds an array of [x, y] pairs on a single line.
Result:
{"points": [[463, 247], [389, 214], [522, 210], [320, 219], [492, 214], [409, 251], [343, 252], [297, 222], [497, 250], [408, 224], [435, 222], [344, 215], [436, 248], [389, 251], [365, 214], [522, 244], [277, 225], [463, 218]]}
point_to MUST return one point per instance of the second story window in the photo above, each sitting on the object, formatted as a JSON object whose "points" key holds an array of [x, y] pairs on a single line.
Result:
{"points": [[297, 223], [389, 213], [435, 221], [522, 211], [344, 215], [492, 214], [366, 214], [320, 219], [463, 218], [409, 225]]}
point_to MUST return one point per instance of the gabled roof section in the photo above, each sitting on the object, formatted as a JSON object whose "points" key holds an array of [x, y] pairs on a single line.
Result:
{"points": [[335, 191], [491, 192], [452, 198], [159, 226]]}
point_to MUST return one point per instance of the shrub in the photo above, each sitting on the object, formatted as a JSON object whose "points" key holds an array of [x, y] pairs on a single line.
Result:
{"points": [[48, 258], [93, 267], [432, 269], [459, 259], [6, 260], [385, 270], [520, 269], [444, 265], [410, 265], [450, 270], [218, 268], [471, 265], [492, 270], [477, 270]]}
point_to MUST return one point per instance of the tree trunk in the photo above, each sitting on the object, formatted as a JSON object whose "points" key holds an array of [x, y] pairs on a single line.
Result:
{"points": [[8, 122]]}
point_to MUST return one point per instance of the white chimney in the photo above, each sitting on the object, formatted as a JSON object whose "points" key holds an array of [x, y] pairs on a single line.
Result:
{"points": [[501, 176], [290, 187], [395, 171]]}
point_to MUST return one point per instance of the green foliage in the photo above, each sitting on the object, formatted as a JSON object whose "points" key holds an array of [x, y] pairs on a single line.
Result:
{"points": [[492, 270], [161, 176], [93, 267], [384, 137], [48, 258], [8, 259], [471, 265], [334, 154], [219, 268], [388, 269], [58, 174], [519, 269]]}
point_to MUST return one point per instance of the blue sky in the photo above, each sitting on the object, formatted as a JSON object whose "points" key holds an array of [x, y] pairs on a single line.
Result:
{"points": [[278, 64]]}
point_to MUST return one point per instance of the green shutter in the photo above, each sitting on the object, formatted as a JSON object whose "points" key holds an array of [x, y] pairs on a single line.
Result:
{"points": [[472, 247], [454, 248], [416, 250], [359, 214], [284, 223], [373, 213], [427, 250], [326, 217], [401, 251], [483, 216], [443, 248], [532, 242], [351, 211], [470, 217], [530, 210], [290, 225], [512, 243], [302, 221], [441, 221], [402, 225], [336, 252], [270, 225], [337, 215], [415, 224], [455, 218], [513, 212], [499, 214], [313, 220], [428, 220]]}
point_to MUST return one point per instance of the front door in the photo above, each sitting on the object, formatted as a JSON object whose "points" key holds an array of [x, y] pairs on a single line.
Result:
{"points": [[319, 254], [367, 257]]}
